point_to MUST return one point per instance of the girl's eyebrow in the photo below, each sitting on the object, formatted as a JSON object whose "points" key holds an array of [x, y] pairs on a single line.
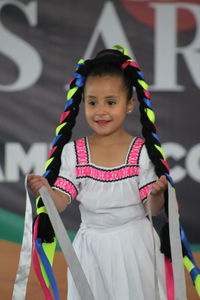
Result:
{"points": [[90, 97], [111, 96], [107, 97]]}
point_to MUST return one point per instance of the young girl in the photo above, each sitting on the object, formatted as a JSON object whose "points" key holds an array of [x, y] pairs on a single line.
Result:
{"points": [[111, 173]]}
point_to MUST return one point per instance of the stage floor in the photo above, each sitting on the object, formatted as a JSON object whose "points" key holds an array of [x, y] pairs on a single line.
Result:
{"points": [[9, 256]]}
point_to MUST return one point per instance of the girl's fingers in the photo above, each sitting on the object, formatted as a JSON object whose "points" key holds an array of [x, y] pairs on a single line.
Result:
{"points": [[159, 186], [35, 182]]}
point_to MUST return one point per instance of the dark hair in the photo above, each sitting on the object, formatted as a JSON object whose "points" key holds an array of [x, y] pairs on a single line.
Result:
{"points": [[111, 68]]}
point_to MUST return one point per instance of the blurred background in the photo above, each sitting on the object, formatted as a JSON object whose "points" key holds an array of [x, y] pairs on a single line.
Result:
{"points": [[40, 44]]}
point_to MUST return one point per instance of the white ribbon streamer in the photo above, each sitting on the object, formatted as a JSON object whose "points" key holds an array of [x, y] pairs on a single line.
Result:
{"points": [[176, 248], [19, 290], [71, 258], [156, 285]]}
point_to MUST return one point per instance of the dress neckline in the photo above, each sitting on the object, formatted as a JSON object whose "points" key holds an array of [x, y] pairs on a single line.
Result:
{"points": [[113, 167]]}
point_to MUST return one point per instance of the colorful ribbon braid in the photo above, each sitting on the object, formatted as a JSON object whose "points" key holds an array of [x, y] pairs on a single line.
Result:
{"points": [[44, 240], [157, 156]]}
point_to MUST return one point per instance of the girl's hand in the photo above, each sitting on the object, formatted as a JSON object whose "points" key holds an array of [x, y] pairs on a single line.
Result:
{"points": [[159, 186], [156, 197], [60, 199], [35, 182]]}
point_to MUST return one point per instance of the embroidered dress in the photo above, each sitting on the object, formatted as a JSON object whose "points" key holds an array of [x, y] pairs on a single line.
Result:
{"points": [[114, 243]]}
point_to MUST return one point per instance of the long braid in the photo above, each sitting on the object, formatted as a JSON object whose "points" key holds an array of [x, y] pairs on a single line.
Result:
{"points": [[63, 135], [157, 156], [43, 230]]}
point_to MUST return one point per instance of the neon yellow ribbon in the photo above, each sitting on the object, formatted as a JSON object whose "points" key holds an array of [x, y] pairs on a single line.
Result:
{"points": [[71, 92], [150, 114], [124, 50], [161, 151], [58, 129], [143, 84]]}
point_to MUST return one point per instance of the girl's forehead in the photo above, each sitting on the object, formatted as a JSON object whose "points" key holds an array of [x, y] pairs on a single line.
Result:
{"points": [[105, 81]]}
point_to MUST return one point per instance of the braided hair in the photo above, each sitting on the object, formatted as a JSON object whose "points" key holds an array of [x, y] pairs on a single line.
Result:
{"points": [[107, 62]]}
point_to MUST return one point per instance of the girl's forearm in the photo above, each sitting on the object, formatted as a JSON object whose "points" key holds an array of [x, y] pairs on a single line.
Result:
{"points": [[60, 199], [156, 203]]}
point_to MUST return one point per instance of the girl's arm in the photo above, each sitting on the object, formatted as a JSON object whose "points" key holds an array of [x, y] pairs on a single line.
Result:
{"points": [[60, 199], [156, 197]]}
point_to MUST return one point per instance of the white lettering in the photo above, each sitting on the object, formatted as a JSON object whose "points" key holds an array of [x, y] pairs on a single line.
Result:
{"points": [[112, 33], [177, 152], [23, 54], [192, 163], [166, 49], [17, 160]]}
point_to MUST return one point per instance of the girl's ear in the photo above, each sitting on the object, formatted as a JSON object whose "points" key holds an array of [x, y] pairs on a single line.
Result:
{"points": [[130, 106]]}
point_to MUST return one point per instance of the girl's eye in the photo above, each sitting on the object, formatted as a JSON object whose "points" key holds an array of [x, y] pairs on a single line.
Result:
{"points": [[92, 103], [111, 102]]}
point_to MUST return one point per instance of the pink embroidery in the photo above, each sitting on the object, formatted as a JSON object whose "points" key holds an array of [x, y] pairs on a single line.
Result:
{"points": [[144, 191], [107, 175], [82, 156], [67, 186], [135, 152]]}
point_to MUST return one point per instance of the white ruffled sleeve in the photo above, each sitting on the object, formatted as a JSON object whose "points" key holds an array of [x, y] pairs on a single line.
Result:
{"points": [[66, 181], [147, 175]]}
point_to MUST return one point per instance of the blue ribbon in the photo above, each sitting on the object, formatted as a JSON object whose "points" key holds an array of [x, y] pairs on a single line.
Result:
{"points": [[169, 178], [141, 74], [80, 80], [68, 103], [47, 267], [148, 103], [156, 137], [46, 173], [194, 273], [56, 139]]}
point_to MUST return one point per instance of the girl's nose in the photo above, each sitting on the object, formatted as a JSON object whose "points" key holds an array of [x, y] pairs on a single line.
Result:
{"points": [[100, 109]]}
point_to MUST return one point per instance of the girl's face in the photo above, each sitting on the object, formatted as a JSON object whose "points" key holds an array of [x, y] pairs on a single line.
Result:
{"points": [[106, 105]]}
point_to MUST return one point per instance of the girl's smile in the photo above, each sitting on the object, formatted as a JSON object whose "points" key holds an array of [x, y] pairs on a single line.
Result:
{"points": [[102, 123]]}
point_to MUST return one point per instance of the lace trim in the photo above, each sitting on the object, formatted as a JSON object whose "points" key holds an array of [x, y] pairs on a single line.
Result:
{"points": [[107, 175], [66, 185], [144, 191], [134, 155], [81, 151]]}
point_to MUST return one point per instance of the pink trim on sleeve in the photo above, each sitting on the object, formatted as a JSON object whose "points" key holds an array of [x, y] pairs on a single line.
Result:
{"points": [[144, 191], [66, 186], [134, 155]]}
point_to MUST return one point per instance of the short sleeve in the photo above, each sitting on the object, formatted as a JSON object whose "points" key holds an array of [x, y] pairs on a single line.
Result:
{"points": [[66, 181], [147, 175]]}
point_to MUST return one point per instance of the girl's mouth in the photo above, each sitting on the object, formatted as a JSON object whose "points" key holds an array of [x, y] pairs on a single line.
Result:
{"points": [[102, 122]]}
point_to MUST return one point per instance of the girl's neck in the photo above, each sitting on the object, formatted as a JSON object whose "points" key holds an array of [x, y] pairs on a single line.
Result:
{"points": [[108, 140]]}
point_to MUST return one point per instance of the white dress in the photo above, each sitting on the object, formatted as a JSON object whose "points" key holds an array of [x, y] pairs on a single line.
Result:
{"points": [[114, 243]]}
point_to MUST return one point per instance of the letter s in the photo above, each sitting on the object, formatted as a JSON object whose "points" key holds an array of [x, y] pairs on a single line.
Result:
{"points": [[23, 54]]}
